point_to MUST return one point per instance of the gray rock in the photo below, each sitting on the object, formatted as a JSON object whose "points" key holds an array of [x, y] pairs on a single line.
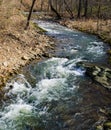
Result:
{"points": [[98, 73], [107, 126]]}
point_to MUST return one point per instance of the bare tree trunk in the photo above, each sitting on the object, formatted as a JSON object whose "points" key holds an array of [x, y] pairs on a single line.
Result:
{"points": [[42, 1], [63, 7], [48, 7], [85, 8], [21, 1], [91, 10], [68, 9], [21, 4], [98, 15], [59, 8], [79, 9], [71, 4], [54, 10], [99, 10], [56, 4], [29, 16]]}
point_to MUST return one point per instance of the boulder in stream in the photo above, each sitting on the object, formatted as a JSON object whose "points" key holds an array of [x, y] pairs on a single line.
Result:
{"points": [[98, 73]]}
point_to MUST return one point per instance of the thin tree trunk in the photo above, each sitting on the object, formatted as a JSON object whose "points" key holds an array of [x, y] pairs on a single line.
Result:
{"points": [[21, 4], [72, 5], [79, 9], [54, 10], [99, 10], [68, 9], [85, 8], [21, 1], [42, 5], [63, 7], [56, 4], [48, 7], [98, 15], [91, 10], [30, 13]]}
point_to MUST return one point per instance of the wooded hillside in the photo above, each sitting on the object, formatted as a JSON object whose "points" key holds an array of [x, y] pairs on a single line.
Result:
{"points": [[17, 46], [75, 8]]}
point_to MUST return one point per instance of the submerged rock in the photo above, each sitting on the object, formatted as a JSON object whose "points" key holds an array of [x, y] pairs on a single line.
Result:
{"points": [[107, 126], [98, 73], [99, 127]]}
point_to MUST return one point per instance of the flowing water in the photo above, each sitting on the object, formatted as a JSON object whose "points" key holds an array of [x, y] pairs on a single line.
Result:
{"points": [[54, 94]]}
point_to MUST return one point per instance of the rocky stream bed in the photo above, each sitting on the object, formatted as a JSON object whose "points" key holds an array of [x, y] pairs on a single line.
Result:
{"points": [[69, 91]]}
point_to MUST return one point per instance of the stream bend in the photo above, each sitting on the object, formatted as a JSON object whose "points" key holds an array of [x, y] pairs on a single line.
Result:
{"points": [[55, 94]]}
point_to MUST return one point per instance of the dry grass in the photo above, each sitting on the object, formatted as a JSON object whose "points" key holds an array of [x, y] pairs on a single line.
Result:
{"points": [[15, 42]]}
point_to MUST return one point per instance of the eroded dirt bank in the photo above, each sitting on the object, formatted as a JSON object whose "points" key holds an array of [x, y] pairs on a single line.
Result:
{"points": [[18, 46]]}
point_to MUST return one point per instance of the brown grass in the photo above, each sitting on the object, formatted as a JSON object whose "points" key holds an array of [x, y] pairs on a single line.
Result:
{"points": [[15, 42]]}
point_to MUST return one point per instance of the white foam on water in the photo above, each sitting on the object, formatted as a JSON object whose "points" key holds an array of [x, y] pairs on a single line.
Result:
{"points": [[73, 51], [57, 60], [49, 89], [62, 68], [56, 79], [18, 85], [15, 114], [79, 72], [96, 48], [53, 31], [73, 88], [72, 69], [19, 88], [13, 111], [45, 90], [97, 43], [84, 37], [75, 35], [62, 72], [53, 28], [55, 67]]}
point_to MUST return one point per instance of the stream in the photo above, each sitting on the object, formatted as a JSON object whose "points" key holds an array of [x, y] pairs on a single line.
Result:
{"points": [[54, 94]]}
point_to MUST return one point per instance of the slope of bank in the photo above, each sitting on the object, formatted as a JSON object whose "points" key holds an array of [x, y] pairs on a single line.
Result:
{"points": [[18, 46]]}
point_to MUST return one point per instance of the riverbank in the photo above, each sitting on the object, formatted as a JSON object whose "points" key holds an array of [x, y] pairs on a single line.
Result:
{"points": [[18, 46], [62, 83], [101, 28]]}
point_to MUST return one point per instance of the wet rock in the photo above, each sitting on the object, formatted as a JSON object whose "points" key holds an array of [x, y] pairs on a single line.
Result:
{"points": [[47, 55], [109, 114], [98, 73], [108, 74], [10, 86], [102, 79], [99, 127], [107, 126], [71, 122]]}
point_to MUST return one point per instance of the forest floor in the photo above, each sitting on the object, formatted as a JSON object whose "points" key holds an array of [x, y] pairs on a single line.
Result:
{"points": [[18, 46]]}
